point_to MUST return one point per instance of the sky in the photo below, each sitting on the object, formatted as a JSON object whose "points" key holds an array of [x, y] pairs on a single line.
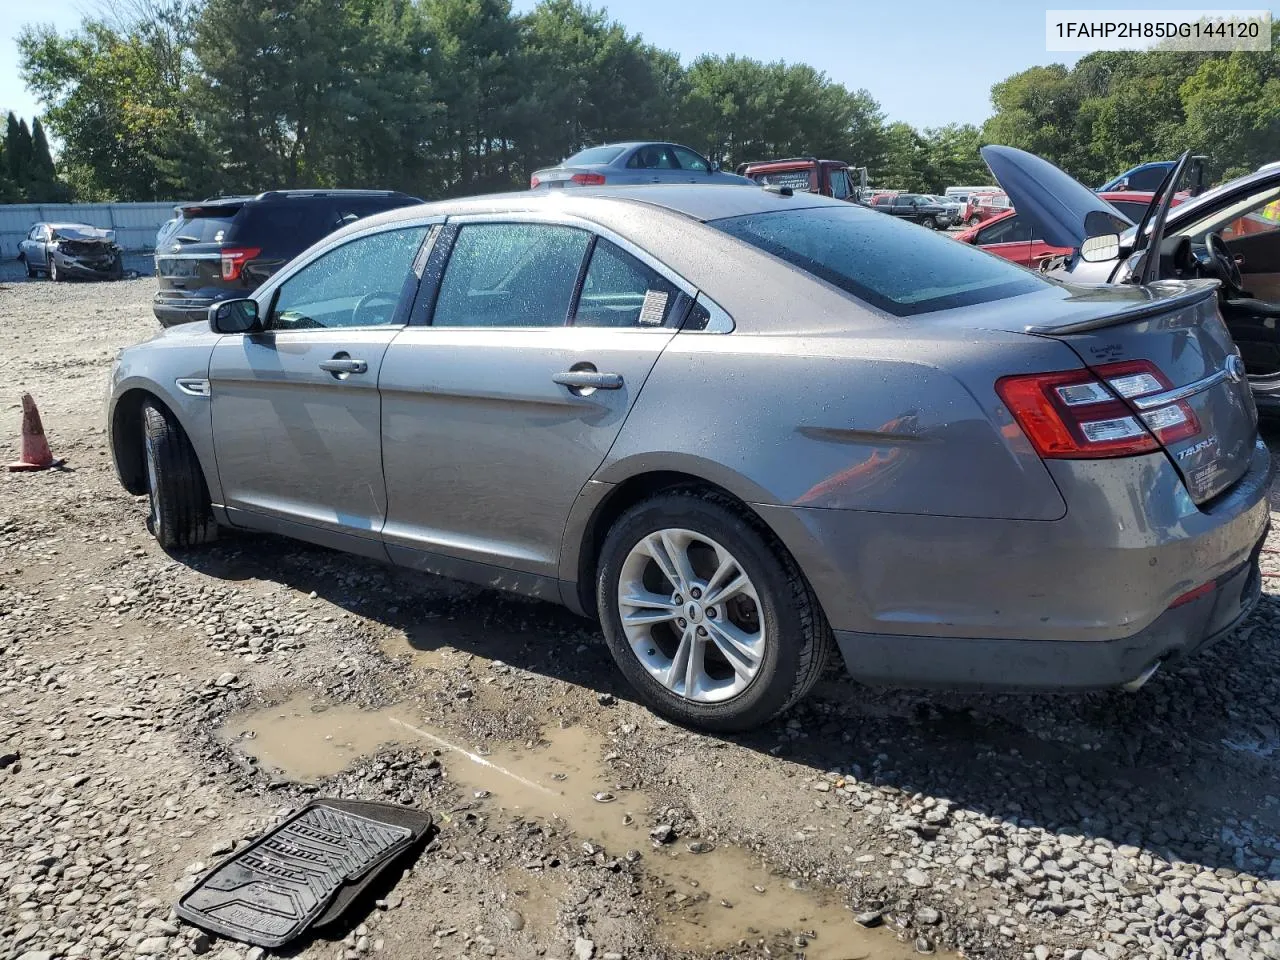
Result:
{"points": [[928, 62]]}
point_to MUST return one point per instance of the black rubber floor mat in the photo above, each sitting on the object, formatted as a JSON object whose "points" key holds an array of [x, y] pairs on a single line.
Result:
{"points": [[306, 871]]}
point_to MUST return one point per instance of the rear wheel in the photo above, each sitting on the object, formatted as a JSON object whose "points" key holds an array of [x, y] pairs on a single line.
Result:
{"points": [[179, 498], [706, 614]]}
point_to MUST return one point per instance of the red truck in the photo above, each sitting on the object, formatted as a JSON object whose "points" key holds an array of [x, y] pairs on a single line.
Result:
{"points": [[831, 178]]}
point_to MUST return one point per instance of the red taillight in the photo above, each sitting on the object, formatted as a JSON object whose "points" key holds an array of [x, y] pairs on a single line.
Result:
{"points": [[534, 181], [588, 179], [234, 259], [1076, 414]]}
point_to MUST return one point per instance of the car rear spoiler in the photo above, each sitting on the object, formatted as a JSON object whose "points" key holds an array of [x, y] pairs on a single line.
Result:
{"points": [[1198, 291]]}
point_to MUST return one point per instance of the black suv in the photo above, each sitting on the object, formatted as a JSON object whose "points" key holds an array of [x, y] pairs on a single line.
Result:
{"points": [[227, 246]]}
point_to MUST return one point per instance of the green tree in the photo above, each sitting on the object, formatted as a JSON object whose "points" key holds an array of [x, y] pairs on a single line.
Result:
{"points": [[749, 110], [117, 96]]}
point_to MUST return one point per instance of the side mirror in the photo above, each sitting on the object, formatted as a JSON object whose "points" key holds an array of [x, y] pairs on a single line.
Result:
{"points": [[235, 316], [1100, 249]]}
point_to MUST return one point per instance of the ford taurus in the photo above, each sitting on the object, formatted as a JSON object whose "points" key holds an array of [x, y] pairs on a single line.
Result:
{"points": [[743, 428]]}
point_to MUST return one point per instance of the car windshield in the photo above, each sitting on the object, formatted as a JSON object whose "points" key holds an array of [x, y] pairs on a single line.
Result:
{"points": [[594, 155], [893, 265]]}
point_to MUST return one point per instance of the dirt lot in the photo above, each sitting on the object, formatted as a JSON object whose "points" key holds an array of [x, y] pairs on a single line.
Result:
{"points": [[157, 710]]}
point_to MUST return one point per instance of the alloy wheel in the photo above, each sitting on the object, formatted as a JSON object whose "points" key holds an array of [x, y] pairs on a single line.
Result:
{"points": [[691, 615]]}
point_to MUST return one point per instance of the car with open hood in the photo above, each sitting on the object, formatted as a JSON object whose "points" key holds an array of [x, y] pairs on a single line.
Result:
{"points": [[742, 428], [1230, 235], [1014, 237], [71, 251]]}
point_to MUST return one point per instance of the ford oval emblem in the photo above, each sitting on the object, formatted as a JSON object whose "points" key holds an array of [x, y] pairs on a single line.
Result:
{"points": [[1235, 368]]}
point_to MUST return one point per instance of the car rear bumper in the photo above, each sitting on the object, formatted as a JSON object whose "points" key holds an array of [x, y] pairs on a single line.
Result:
{"points": [[1055, 664], [1087, 600], [171, 312]]}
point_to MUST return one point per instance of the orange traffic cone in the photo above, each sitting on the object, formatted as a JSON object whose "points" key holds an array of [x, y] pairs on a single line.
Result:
{"points": [[36, 454]]}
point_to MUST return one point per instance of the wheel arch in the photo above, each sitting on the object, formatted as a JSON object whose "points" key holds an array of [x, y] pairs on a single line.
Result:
{"points": [[124, 429], [605, 500]]}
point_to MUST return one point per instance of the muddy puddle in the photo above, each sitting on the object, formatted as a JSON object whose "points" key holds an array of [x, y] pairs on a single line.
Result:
{"points": [[708, 896]]}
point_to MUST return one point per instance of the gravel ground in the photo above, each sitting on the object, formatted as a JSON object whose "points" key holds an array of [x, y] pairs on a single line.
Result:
{"points": [[1100, 826]]}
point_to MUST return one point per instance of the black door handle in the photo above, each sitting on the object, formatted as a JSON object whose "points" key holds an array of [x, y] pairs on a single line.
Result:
{"points": [[589, 379]]}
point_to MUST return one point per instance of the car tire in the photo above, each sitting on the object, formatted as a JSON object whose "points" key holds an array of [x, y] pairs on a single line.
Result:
{"points": [[929, 223], [31, 271], [791, 640], [973, 221], [53, 271], [180, 515]]}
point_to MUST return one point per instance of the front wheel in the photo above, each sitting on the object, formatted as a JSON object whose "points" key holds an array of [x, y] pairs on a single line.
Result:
{"points": [[929, 223], [706, 614], [973, 221], [178, 496], [54, 275], [31, 272]]}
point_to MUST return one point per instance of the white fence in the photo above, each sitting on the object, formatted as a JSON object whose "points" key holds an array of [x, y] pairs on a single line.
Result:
{"points": [[135, 224]]}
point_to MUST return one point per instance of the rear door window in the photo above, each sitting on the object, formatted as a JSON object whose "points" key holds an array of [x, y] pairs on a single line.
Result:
{"points": [[881, 260], [510, 275], [653, 156], [620, 291]]}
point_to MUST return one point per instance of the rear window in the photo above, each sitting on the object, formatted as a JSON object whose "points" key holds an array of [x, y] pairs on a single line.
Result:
{"points": [[795, 179], [896, 266], [205, 224], [594, 155]]}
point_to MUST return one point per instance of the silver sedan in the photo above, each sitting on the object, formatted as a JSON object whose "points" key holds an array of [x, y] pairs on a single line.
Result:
{"points": [[741, 428]]}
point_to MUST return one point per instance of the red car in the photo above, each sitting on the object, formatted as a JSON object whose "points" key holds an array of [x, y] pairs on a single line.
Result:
{"points": [[1009, 236]]}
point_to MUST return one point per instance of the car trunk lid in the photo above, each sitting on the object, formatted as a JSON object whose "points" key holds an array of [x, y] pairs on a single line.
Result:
{"points": [[1168, 355]]}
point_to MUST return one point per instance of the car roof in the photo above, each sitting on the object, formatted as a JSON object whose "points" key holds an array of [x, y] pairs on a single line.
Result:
{"points": [[298, 194], [64, 224], [702, 202]]}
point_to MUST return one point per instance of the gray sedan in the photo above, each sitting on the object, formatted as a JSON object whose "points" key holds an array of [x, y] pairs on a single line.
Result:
{"points": [[634, 163], [741, 428]]}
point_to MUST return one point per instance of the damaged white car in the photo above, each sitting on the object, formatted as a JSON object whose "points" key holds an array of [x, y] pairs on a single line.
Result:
{"points": [[67, 251]]}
